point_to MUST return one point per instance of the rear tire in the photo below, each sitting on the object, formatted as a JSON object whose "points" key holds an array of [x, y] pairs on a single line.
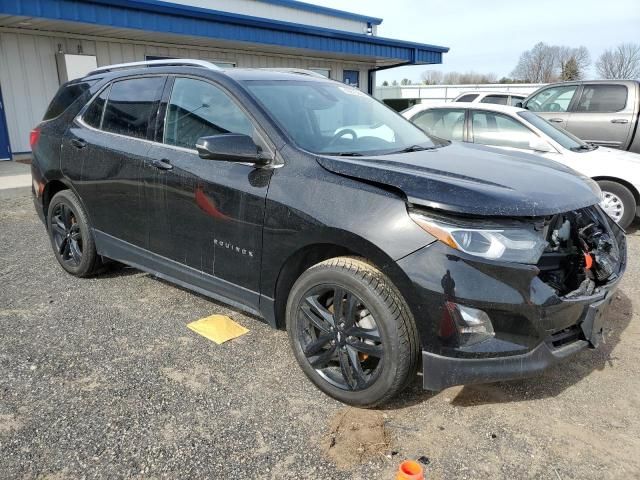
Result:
{"points": [[71, 235], [366, 353], [618, 202]]}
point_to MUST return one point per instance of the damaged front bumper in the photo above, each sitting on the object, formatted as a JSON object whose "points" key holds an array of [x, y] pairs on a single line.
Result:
{"points": [[534, 326], [440, 371]]}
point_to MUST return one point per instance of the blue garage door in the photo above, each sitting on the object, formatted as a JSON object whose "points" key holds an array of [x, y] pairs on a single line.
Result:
{"points": [[5, 149]]}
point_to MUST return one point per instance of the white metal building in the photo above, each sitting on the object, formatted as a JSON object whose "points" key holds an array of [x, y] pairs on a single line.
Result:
{"points": [[46, 42], [404, 96]]}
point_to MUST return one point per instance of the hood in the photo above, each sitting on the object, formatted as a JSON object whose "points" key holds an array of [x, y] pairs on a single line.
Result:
{"points": [[474, 180]]}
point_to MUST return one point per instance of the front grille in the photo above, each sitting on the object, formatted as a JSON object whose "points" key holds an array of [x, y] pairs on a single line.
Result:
{"points": [[566, 335]]}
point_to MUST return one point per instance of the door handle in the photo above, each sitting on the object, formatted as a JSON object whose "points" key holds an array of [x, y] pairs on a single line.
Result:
{"points": [[162, 164], [556, 120], [78, 143], [619, 120]]}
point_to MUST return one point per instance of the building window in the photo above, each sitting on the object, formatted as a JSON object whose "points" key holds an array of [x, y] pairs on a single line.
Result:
{"points": [[325, 72]]}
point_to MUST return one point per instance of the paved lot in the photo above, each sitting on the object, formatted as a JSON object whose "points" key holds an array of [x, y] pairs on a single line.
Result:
{"points": [[101, 378]]}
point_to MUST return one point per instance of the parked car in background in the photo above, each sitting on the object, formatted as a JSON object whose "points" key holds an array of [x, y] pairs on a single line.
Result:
{"points": [[499, 98], [512, 128], [381, 255], [603, 112]]}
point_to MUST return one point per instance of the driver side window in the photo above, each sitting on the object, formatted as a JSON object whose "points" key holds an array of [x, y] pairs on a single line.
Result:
{"points": [[500, 131], [199, 109], [552, 99]]}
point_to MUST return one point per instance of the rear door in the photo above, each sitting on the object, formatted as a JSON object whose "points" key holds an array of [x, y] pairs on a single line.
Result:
{"points": [[554, 102], [603, 114], [206, 214], [103, 153]]}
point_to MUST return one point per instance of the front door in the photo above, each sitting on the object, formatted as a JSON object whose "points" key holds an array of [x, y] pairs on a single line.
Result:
{"points": [[5, 149], [554, 103], [103, 154], [206, 215]]}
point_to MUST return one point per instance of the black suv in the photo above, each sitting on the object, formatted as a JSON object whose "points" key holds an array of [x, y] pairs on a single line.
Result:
{"points": [[383, 251]]}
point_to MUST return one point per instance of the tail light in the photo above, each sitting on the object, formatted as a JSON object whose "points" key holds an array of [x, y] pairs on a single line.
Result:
{"points": [[34, 136]]}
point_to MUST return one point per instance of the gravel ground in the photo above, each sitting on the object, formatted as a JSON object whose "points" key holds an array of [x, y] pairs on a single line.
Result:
{"points": [[101, 378]]}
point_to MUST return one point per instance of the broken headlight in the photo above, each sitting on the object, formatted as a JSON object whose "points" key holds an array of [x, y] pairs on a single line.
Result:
{"points": [[508, 243]]}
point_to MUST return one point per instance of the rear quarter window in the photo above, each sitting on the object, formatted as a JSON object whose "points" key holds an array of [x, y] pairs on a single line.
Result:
{"points": [[64, 98], [468, 98]]}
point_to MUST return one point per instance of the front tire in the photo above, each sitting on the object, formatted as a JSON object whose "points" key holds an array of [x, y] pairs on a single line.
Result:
{"points": [[618, 202], [361, 349], [71, 236]]}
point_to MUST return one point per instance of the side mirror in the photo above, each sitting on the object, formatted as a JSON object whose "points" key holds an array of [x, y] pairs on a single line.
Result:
{"points": [[519, 104], [540, 145], [231, 147]]}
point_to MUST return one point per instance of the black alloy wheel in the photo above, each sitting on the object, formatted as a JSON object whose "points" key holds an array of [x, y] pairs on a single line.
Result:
{"points": [[66, 233], [352, 332], [71, 235], [340, 337]]}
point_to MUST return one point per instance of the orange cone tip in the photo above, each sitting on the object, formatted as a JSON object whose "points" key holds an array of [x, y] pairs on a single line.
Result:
{"points": [[410, 470]]}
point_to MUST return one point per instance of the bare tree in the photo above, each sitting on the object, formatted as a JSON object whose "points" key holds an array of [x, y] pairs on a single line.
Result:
{"points": [[620, 62], [431, 77], [573, 62], [548, 63], [538, 65], [405, 81]]}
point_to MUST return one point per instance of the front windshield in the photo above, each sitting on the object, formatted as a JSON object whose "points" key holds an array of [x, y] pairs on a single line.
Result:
{"points": [[334, 119], [564, 138]]}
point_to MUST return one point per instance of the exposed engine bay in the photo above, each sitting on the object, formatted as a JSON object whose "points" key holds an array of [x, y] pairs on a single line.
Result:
{"points": [[582, 253]]}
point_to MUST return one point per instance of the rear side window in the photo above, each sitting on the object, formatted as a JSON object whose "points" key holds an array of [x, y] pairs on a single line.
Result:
{"points": [[468, 98], [443, 123], [93, 115], [602, 98], [496, 99], [64, 98], [132, 106]]}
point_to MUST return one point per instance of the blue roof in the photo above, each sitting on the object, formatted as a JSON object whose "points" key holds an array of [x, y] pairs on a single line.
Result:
{"points": [[156, 16]]}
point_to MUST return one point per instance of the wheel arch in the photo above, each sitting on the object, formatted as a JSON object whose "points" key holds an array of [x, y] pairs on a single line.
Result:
{"points": [[622, 182], [54, 186], [311, 254]]}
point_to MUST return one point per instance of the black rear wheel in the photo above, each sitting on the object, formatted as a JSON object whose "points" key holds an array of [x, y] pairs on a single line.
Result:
{"points": [[351, 332], [71, 236]]}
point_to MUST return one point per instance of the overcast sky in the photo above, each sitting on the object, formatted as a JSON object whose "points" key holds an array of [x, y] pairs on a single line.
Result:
{"points": [[489, 35]]}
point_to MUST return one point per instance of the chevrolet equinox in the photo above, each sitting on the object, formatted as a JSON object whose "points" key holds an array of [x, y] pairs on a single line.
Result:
{"points": [[383, 251]]}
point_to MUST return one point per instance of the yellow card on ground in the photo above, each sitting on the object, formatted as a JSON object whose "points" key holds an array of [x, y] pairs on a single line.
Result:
{"points": [[218, 328]]}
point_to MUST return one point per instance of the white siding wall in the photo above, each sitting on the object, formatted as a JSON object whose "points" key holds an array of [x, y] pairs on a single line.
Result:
{"points": [[256, 8], [29, 78]]}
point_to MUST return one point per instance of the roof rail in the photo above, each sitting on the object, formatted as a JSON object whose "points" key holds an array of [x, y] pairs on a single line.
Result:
{"points": [[300, 71], [176, 62]]}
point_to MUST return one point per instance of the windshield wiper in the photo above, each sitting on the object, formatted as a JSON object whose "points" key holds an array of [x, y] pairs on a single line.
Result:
{"points": [[345, 154], [415, 148], [586, 147]]}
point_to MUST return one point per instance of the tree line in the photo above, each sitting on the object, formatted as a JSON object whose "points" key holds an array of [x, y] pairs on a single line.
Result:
{"points": [[545, 64]]}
